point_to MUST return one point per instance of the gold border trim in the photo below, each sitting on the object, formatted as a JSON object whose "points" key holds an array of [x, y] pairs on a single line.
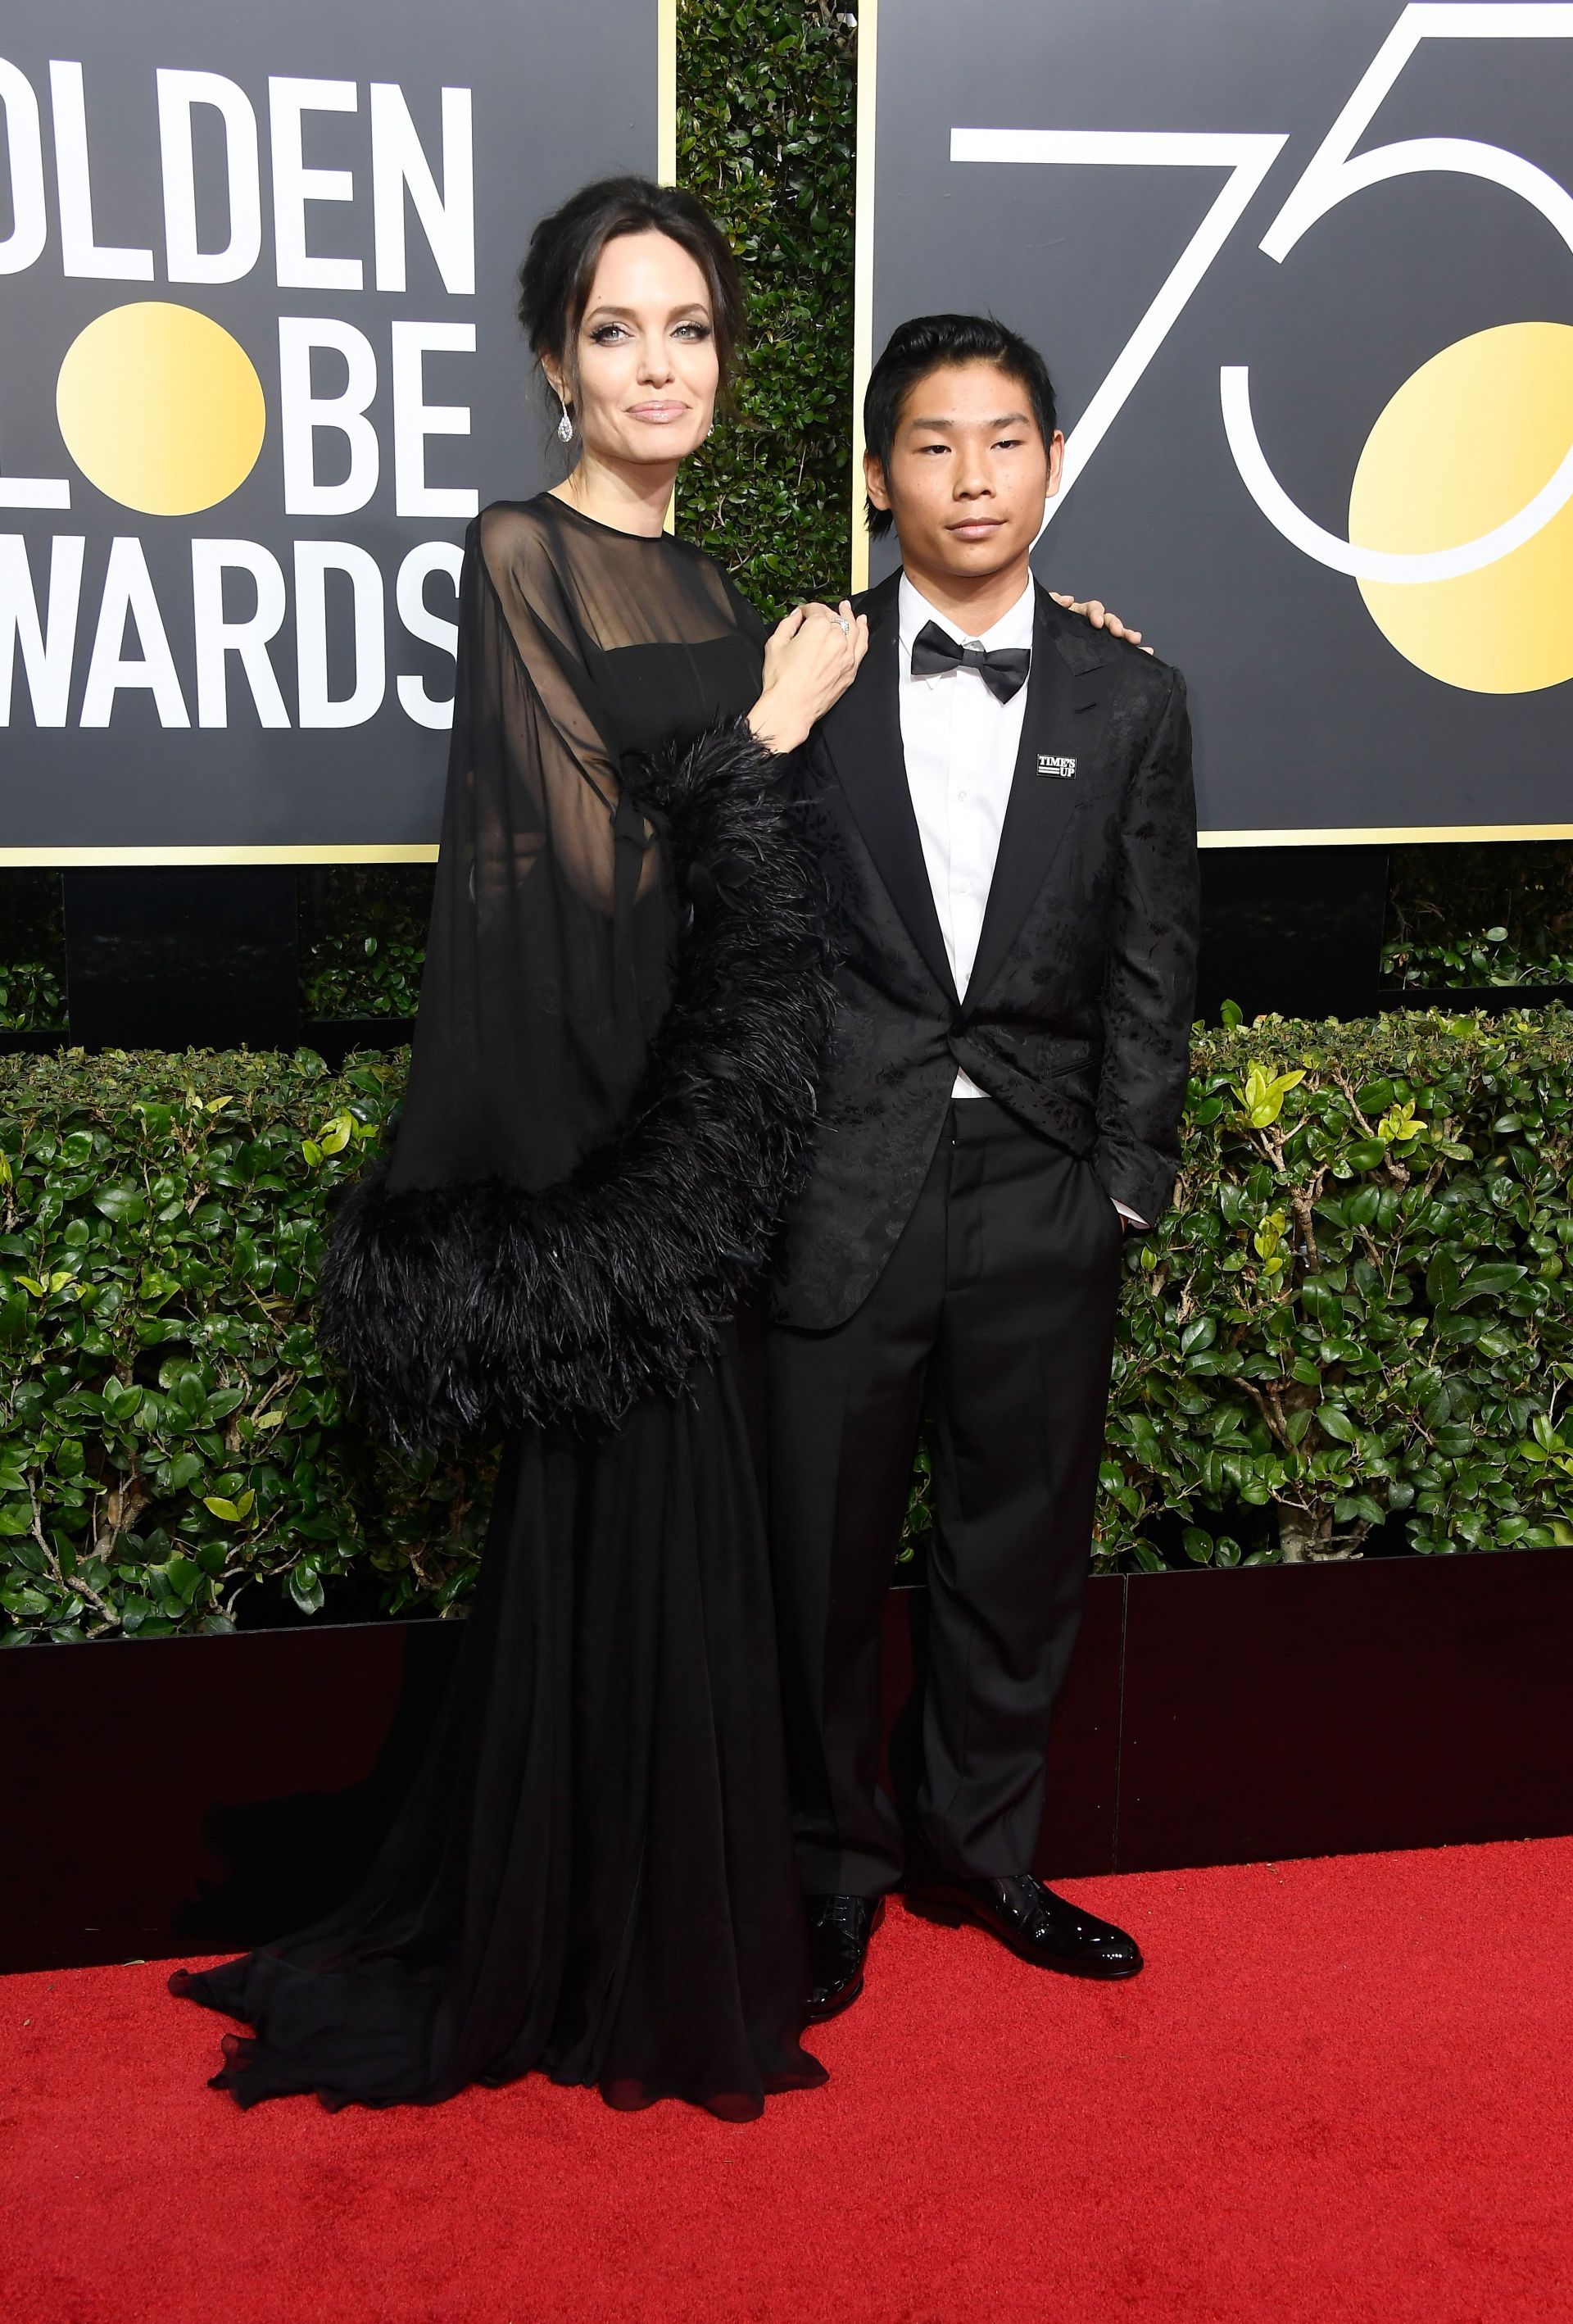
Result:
{"points": [[666, 92], [1386, 835], [667, 138], [78, 859], [82, 859], [863, 269]]}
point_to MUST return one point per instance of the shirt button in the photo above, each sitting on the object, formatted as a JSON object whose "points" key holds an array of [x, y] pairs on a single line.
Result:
{"points": [[961, 794]]}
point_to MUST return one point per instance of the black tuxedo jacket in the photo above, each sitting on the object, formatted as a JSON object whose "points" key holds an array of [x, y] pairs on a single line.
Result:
{"points": [[1077, 1011]]}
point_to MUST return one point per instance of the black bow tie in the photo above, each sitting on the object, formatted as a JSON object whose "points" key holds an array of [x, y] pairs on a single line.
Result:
{"points": [[1005, 671]]}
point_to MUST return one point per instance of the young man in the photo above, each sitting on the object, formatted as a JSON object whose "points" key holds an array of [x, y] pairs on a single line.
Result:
{"points": [[1009, 820]]}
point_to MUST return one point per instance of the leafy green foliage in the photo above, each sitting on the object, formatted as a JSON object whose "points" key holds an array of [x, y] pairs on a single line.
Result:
{"points": [[1356, 1316], [363, 931], [1494, 914], [33, 997], [766, 108], [170, 1439], [32, 953]]}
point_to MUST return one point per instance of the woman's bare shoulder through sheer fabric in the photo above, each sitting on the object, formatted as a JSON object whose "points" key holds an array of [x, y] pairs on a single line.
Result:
{"points": [[554, 775], [606, 627], [582, 652], [604, 589]]}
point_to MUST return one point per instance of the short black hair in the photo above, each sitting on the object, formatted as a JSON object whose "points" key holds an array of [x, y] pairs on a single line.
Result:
{"points": [[558, 271], [927, 343]]}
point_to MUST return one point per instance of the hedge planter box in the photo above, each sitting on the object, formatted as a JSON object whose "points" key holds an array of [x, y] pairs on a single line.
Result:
{"points": [[1356, 1323], [186, 1795]]}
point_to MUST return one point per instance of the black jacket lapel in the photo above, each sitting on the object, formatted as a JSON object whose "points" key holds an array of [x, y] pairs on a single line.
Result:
{"points": [[862, 734], [1073, 675]]}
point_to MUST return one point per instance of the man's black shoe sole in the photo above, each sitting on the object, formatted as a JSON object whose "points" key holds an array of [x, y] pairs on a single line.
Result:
{"points": [[949, 1913]]}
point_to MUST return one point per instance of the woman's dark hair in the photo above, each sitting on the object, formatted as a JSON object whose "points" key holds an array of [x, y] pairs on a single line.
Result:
{"points": [[924, 345], [565, 250]]}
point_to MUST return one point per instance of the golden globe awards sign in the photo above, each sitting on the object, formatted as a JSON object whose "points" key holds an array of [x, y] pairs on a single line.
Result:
{"points": [[258, 367], [1304, 278]]}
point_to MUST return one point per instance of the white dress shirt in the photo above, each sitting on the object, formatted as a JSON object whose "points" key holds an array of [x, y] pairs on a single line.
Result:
{"points": [[961, 745]]}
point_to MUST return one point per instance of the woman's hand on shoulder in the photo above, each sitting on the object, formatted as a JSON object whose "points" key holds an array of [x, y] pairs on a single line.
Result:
{"points": [[812, 657]]}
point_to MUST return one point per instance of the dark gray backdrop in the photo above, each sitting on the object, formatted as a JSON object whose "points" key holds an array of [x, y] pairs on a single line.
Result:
{"points": [[559, 96], [1306, 717]]}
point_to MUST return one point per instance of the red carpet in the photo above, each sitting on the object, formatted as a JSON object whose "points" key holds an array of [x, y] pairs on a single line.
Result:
{"points": [[1340, 2091]]}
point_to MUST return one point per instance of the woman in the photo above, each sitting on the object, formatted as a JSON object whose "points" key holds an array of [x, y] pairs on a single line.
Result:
{"points": [[609, 1104]]}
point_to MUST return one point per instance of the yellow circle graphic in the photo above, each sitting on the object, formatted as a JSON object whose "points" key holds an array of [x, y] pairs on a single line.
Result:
{"points": [[1466, 442], [161, 407]]}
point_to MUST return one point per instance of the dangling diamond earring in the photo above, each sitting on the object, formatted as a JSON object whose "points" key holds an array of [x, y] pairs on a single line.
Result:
{"points": [[564, 425]]}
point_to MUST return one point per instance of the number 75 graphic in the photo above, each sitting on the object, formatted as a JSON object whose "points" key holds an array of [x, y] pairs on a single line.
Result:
{"points": [[1336, 174]]}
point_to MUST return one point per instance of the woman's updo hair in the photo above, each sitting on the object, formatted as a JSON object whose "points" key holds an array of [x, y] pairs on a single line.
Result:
{"points": [[565, 250]]}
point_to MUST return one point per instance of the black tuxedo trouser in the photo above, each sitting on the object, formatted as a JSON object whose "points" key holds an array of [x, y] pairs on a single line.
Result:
{"points": [[995, 1314]]}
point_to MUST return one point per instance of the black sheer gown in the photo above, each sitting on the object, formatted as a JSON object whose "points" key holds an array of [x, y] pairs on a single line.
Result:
{"points": [[608, 1107]]}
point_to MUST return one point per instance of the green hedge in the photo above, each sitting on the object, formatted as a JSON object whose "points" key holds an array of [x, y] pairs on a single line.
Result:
{"points": [[767, 104], [1497, 913], [32, 953], [1355, 1320], [363, 930], [1357, 1315], [169, 1438]]}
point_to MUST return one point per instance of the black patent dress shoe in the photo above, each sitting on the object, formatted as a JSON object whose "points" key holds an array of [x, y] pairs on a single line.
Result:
{"points": [[839, 1930], [1033, 1921]]}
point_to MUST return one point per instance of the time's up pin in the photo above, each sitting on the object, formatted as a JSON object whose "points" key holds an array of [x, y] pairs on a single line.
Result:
{"points": [[1050, 765]]}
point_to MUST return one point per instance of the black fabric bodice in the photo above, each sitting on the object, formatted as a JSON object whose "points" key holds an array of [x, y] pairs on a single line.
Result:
{"points": [[583, 652], [639, 609]]}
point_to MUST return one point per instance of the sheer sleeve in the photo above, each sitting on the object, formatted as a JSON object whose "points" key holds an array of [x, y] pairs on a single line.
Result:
{"points": [[562, 786], [612, 1084], [546, 958]]}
